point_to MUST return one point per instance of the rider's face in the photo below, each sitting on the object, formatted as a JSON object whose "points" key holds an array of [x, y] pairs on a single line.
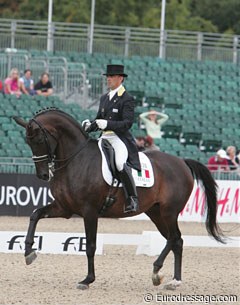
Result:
{"points": [[114, 81]]}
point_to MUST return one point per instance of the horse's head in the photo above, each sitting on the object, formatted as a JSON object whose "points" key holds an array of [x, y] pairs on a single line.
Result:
{"points": [[43, 140], [53, 132]]}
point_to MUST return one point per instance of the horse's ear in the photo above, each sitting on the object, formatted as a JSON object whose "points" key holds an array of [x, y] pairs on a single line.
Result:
{"points": [[20, 121]]}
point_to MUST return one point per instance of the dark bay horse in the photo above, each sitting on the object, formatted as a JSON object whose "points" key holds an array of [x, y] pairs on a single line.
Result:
{"points": [[64, 154]]}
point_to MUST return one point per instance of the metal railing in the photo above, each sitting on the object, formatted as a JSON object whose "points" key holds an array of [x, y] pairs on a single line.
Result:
{"points": [[71, 81], [116, 40], [26, 166], [224, 173]]}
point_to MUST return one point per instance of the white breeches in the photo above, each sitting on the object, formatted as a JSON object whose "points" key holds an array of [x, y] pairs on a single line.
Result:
{"points": [[121, 153]]}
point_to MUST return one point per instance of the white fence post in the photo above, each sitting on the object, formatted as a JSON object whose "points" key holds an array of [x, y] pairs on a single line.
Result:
{"points": [[235, 50], [13, 30], [199, 46], [127, 38]]}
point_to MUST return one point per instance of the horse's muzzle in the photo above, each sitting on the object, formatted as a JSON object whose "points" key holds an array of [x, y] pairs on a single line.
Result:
{"points": [[44, 176]]}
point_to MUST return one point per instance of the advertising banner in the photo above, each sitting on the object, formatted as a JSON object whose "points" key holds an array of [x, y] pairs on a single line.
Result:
{"points": [[21, 194], [149, 242], [48, 242], [228, 203], [228, 199]]}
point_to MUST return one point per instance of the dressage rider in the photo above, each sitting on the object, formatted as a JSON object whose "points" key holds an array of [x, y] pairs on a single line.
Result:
{"points": [[115, 117]]}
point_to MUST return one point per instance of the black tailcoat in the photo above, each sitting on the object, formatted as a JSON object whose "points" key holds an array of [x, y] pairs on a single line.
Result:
{"points": [[119, 113]]}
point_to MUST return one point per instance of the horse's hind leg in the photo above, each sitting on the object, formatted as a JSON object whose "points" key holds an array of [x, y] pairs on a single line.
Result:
{"points": [[167, 226], [49, 211]]}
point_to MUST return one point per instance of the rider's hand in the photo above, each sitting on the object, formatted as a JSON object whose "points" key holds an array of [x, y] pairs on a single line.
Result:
{"points": [[86, 124], [102, 124]]}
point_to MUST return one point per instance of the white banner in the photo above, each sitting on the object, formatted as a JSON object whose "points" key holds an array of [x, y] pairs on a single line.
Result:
{"points": [[48, 242], [149, 243], [154, 243], [228, 204]]}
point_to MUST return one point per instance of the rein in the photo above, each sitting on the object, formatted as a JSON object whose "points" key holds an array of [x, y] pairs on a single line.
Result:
{"points": [[69, 159]]}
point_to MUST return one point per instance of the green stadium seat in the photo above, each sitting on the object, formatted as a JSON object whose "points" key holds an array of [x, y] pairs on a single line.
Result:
{"points": [[3, 153], [138, 96], [4, 120], [154, 101], [192, 138], [210, 145], [171, 131]]}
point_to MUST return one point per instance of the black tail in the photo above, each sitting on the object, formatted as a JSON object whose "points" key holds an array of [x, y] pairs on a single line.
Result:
{"points": [[201, 172]]}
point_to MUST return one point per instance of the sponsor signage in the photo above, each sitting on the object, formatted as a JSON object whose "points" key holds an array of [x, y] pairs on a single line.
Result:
{"points": [[48, 242], [20, 194], [149, 243], [228, 203], [228, 198]]}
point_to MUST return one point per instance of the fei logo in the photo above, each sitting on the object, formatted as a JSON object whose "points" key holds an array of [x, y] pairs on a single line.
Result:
{"points": [[48, 242], [75, 244], [17, 242]]}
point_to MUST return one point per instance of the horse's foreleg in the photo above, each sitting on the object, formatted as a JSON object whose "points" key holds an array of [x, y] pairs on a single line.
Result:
{"points": [[49, 211], [90, 223]]}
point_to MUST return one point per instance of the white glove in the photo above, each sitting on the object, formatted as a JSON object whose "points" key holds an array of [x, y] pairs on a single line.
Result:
{"points": [[102, 124], [86, 124]]}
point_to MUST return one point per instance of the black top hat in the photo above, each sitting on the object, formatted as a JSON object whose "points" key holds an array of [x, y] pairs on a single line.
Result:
{"points": [[115, 70]]}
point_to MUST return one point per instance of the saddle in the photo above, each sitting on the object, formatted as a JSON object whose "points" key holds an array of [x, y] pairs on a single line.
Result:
{"points": [[143, 178]]}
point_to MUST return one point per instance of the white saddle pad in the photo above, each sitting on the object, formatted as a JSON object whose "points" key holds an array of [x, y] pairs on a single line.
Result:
{"points": [[145, 178]]}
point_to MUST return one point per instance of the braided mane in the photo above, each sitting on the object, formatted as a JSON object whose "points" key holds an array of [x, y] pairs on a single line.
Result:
{"points": [[62, 113]]}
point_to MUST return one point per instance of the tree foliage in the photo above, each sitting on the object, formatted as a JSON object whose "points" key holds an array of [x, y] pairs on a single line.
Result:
{"points": [[224, 14], [189, 15]]}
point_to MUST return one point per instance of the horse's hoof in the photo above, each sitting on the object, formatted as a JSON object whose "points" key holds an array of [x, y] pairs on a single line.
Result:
{"points": [[82, 286], [30, 258], [172, 285], [157, 278]]}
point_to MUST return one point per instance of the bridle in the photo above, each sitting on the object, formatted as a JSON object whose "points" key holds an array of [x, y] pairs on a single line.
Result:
{"points": [[50, 157]]}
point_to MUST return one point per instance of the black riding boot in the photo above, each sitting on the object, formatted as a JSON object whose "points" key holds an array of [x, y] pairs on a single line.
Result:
{"points": [[129, 189]]}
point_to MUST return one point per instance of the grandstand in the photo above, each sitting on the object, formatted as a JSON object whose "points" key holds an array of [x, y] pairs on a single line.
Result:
{"points": [[196, 83], [202, 100]]}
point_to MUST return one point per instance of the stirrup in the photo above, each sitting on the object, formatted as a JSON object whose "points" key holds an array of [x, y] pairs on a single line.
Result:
{"points": [[133, 205]]}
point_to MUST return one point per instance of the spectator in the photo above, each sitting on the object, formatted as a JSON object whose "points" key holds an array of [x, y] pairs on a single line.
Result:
{"points": [[238, 154], [146, 143], [153, 121], [44, 86], [1, 86], [218, 162], [27, 83], [233, 160], [140, 143], [12, 83], [149, 144]]}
